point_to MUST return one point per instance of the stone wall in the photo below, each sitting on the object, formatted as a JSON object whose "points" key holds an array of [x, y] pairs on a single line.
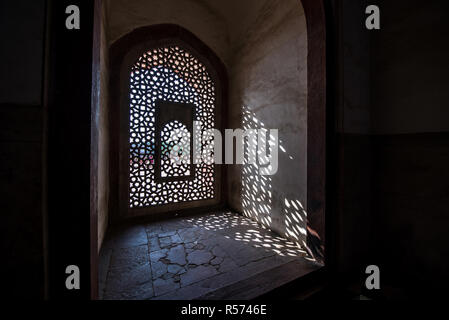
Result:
{"points": [[355, 150], [410, 77], [196, 16], [268, 89], [392, 144], [103, 135], [21, 147]]}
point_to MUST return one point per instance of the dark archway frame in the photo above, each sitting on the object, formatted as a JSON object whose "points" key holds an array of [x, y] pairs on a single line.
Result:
{"points": [[123, 54], [80, 133], [318, 126]]}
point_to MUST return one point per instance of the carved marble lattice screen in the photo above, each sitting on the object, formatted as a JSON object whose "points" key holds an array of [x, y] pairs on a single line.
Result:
{"points": [[168, 144], [173, 75]]}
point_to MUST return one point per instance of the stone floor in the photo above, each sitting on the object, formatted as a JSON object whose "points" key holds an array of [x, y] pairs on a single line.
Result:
{"points": [[189, 258]]}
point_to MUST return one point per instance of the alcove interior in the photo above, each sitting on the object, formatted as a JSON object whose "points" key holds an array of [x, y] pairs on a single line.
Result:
{"points": [[256, 232]]}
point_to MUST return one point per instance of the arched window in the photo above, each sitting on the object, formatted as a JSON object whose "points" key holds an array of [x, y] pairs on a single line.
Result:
{"points": [[170, 91]]}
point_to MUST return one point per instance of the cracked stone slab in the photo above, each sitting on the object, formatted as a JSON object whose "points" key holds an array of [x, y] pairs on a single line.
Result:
{"points": [[218, 251], [177, 255], [176, 239], [197, 274], [153, 230], [157, 255], [216, 261], [175, 269], [176, 225], [200, 254], [167, 276], [128, 280], [199, 246], [130, 237], [167, 234], [153, 244], [190, 245], [189, 235], [163, 286], [199, 257], [128, 257], [195, 234], [158, 269], [243, 253], [227, 265], [165, 242]]}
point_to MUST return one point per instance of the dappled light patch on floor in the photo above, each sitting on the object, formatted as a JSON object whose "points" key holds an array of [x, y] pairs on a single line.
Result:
{"points": [[185, 258]]}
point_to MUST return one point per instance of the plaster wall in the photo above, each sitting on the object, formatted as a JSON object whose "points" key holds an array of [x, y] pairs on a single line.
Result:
{"points": [[268, 89], [199, 17]]}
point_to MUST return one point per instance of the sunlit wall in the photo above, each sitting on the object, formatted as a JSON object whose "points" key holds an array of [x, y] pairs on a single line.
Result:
{"points": [[268, 89]]}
